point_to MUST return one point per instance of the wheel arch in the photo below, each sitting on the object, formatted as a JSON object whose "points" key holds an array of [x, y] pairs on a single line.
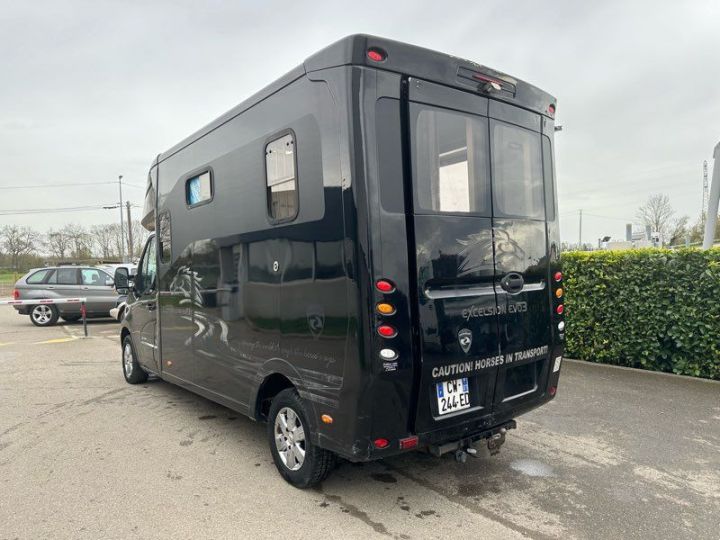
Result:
{"points": [[271, 386]]}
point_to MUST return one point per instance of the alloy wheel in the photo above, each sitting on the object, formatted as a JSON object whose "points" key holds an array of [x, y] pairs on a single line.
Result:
{"points": [[42, 314], [290, 438], [128, 360]]}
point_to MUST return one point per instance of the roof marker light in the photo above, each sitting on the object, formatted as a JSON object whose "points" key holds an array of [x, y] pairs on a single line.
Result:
{"points": [[558, 276], [551, 109], [559, 293], [376, 55], [560, 309]]}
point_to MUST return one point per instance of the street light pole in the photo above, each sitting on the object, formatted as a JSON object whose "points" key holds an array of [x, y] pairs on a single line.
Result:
{"points": [[130, 233], [122, 230]]}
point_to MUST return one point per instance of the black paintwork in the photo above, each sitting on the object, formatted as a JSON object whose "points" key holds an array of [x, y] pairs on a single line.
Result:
{"points": [[243, 305]]}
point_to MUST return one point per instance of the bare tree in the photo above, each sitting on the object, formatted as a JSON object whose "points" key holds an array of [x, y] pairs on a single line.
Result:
{"points": [[678, 231], [18, 241], [657, 214], [80, 240], [118, 241], [139, 234], [103, 236], [57, 243]]}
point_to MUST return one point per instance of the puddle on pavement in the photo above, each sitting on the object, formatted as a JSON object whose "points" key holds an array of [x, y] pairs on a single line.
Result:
{"points": [[532, 467]]}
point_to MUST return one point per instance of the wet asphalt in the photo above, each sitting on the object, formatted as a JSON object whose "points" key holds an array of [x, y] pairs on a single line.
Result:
{"points": [[619, 453]]}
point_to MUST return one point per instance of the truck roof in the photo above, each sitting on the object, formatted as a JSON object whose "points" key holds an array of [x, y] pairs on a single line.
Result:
{"points": [[400, 58]]}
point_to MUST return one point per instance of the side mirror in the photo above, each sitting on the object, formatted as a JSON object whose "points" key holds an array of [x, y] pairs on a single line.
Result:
{"points": [[122, 280]]}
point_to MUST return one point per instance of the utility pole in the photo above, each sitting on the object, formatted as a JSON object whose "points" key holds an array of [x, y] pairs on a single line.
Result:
{"points": [[129, 229], [705, 193], [580, 233], [122, 230], [713, 201]]}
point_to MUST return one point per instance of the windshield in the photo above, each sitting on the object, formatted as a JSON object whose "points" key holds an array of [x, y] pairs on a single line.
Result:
{"points": [[454, 162]]}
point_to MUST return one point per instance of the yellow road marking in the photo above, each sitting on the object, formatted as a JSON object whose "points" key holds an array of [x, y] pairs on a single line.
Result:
{"points": [[58, 340]]}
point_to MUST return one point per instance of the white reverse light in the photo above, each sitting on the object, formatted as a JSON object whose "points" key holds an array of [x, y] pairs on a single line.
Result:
{"points": [[388, 354]]}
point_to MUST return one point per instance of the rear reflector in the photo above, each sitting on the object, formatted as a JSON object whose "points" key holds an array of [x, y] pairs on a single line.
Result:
{"points": [[383, 285], [560, 309], [408, 442], [381, 443], [387, 331], [553, 390]]}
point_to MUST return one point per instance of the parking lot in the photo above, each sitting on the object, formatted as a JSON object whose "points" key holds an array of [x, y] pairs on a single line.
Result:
{"points": [[619, 453]]}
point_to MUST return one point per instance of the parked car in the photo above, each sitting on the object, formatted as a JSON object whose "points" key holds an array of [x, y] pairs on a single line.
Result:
{"points": [[118, 312], [93, 283]]}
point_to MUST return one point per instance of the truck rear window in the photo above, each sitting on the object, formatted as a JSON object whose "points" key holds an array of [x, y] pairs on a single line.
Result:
{"points": [[456, 157], [451, 163]]}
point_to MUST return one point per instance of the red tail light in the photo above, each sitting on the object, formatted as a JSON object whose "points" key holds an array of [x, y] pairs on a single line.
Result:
{"points": [[387, 331], [381, 443], [560, 309], [16, 294], [383, 285], [553, 390]]}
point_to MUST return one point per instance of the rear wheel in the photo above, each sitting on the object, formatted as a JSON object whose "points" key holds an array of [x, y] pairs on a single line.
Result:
{"points": [[298, 460], [134, 374], [44, 315]]}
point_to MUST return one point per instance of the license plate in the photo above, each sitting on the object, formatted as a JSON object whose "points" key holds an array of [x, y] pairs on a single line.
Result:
{"points": [[453, 395]]}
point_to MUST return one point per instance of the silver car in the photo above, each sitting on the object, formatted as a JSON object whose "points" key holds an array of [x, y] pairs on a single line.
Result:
{"points": [[89, 282]]}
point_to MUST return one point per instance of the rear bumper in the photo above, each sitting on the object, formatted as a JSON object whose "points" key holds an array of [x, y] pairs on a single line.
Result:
{"points": [[22, 310]]}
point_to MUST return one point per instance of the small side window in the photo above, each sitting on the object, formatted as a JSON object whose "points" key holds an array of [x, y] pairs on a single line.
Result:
{"points": [[198, 189], [281, 176], [37, 277]]}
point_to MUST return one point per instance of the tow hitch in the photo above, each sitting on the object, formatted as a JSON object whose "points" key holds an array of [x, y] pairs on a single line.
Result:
{"points": [[493, 439]]}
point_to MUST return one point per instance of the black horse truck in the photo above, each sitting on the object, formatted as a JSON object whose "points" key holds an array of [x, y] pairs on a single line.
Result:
{"points": [[364, 254]]}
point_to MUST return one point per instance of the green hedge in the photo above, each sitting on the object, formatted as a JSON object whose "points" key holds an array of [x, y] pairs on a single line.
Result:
{"points": [[646, 308]]}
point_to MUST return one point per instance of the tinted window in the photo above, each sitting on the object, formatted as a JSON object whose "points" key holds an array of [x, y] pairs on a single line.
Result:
{"points": [[38, 277], [282, 196], [199, 189], [517, 172], [93, 276], [450, 163], [67, 276]]}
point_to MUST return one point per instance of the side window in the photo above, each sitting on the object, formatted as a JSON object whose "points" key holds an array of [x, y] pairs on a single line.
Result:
{"points": [[93, 276], [165, 238], [199, 189], [38, 277], [281, 177], [67, 276], [148, 268]]}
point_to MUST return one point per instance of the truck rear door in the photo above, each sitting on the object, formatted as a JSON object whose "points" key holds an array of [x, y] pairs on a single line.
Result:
{"points": [[480, 239]]}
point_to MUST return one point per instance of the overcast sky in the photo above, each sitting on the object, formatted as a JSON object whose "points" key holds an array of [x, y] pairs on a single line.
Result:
{"points": [[90, 90]]}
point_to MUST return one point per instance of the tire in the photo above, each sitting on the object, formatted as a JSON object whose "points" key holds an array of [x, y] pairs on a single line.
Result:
{"points": [[304, 464], [133, 373], [70, 318], [44, 315]]}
